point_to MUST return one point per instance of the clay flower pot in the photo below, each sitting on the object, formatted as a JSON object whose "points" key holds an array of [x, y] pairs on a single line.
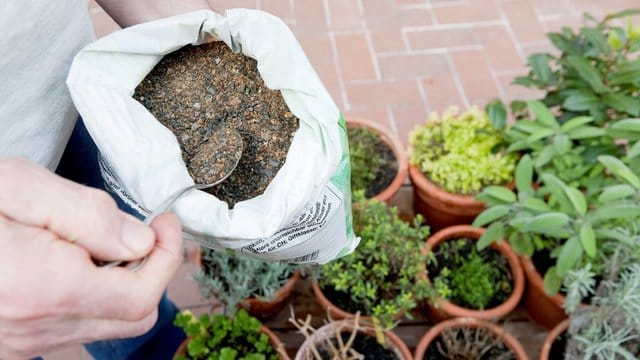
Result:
{"points": [[544, 309], [398, 151], [275, 342], [445, 309], [545, 352], [329, 330], [265, 309], [439, 207], [334, 312], [508, 340]]}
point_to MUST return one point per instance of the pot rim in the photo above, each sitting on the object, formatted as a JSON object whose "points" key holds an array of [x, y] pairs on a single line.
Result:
{"points": [[509, 340], [518, 279], [346, 325], [551, 337], [396, 147], [423, 183]]}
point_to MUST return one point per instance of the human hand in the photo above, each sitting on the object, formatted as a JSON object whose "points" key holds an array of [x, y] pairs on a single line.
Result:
{"points": [[51, 292]]}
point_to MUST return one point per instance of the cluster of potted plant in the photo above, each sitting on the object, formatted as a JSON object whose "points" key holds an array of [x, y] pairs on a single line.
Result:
{"points": [[546, 209]]}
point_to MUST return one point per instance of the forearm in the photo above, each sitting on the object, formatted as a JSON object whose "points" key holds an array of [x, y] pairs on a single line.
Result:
{"points": [[131, 12]]}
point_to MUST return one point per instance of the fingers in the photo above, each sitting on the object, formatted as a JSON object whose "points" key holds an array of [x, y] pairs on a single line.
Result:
{"points": [[32, 195], [127, 295]]}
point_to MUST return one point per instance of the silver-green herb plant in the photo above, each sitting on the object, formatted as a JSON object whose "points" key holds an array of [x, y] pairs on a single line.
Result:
{"points": [[232, 279]]}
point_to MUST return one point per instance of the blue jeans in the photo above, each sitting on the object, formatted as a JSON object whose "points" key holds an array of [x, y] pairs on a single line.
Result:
{"points": [[79, 163]]}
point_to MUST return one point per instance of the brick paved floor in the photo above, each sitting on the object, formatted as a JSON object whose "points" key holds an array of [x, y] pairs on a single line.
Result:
{"points": [[394, 61]]}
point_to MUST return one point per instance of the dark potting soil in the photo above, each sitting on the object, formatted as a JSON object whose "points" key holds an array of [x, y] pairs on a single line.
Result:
{"points": [[451, 257], [342, 300], [365, 345], [200, 92], [542, 261], [467, 344], [387, 166], [558, 347]]}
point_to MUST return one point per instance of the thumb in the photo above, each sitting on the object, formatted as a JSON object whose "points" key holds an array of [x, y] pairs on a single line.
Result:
{"points": [[34, 196]]}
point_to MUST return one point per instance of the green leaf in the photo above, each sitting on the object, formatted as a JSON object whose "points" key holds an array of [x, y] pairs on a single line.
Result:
{"points": [[547, 221], [547, 153], [627, 73], [540, 66], [615, 211], [619, 169], [521, 244], [577, 199], [623, 103], [500, 193], [524, 174], [580, 102], [576, 122], [528, 126], [597, 39], [634, 150], [556, 187], [570, 252], [539, 135], [517, 146], [497, 114], [588, 239], [616, 192], [495, 232], [561, 42], [561, 143], [552, 281], [585, 132], [627, 125], [587, 72], [620, 14], [491, 214], [543, 114], [536, 205]]}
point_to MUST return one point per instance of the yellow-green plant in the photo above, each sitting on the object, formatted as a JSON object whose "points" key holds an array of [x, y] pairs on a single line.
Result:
{"points": [[461, 152]]}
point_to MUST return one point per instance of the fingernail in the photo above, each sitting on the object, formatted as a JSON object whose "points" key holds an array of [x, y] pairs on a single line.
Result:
{"points": [[136, 236]]}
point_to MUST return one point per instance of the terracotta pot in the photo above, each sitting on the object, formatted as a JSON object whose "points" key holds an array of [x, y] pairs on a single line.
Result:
{"points": [[398, 151], [335, 313], [445, 309], [545, 352], [509, 341], [275, 342], [330, 329], [544, 309], [265, 309], [439, 207]]}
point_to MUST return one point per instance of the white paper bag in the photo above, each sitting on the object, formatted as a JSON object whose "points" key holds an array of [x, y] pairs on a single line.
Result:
{"points": [[304, 215]]}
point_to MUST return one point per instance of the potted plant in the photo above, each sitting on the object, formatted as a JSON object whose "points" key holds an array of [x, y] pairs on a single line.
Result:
{"points": [[348, 339], [484, 284], [468, 338], [381, 278], [262, 287], [595, 73], [608, 329], [378, 162], [560, 226], [453, 157], [224, 337]]}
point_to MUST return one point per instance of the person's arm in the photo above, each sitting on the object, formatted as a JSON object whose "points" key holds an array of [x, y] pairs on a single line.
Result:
{"points": [[131, 12], [51, 292]]}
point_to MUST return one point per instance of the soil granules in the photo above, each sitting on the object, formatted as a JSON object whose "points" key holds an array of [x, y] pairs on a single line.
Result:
{"points": [[366, 345], [204, 95]]}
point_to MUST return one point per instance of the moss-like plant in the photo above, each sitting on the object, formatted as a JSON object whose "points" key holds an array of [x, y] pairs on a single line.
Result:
{"points": [[224, 338], [232, 279], [365, 159], [459, 152], [381, 276], [468, 277]]}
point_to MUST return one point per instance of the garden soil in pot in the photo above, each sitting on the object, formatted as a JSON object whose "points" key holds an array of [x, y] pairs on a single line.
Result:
{"points": [[365, 345], [206, 95]]}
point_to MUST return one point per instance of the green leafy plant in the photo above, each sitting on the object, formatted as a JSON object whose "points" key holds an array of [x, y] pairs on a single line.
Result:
{"points": [[460, 152], [366, 161], [224, 338], [381, 276], [233, 279], [596, 74], [557, 217], [468, 277]]}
